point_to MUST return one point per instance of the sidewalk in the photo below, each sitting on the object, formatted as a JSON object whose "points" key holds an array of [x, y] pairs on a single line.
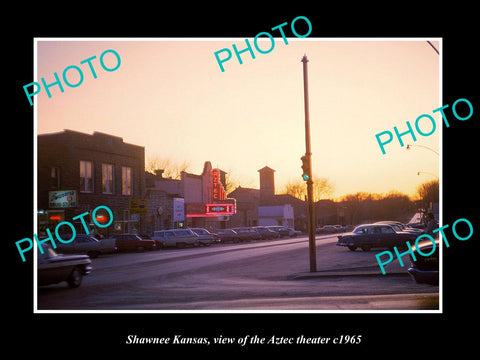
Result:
{"points": [[392, 268]]}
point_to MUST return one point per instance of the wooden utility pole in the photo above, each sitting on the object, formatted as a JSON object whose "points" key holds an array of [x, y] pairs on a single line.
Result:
{"points": [[307, 176]]}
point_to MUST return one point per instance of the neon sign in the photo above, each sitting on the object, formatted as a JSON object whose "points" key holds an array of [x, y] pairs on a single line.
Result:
{"points": [[219, 209], [218, 190]]}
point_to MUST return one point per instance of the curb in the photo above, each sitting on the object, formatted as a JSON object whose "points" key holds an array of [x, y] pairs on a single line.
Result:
{"points": [[359, 271]]}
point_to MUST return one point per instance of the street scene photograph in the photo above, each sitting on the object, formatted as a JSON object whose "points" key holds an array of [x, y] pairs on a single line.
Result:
{"points": [[269, 174]]}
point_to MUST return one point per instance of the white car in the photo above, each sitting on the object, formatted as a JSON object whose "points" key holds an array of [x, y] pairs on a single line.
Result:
{"points": [[176, 237]]}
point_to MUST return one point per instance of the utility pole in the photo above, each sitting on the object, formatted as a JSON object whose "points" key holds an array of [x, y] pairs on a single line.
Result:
{"points": [[307, 173]]}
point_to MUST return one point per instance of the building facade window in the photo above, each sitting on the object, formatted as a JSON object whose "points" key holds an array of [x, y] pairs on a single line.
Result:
{"points": [[126, 180], [107, 179], [55, 177], [86, 176]]}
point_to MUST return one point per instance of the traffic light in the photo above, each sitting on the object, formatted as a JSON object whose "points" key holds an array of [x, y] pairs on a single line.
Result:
{"points": [[305, 167]]}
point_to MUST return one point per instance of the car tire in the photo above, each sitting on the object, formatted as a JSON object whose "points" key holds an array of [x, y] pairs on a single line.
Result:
{"points": [[366, 247], [351, 248], [75, 278], [181, 245], [140, 249]]}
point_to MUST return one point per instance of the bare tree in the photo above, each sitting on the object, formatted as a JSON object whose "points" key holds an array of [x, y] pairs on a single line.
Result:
{"points": [[322, 188], [171, 169], [233, 181], [363, 206], [354, 204], [429, 192]]}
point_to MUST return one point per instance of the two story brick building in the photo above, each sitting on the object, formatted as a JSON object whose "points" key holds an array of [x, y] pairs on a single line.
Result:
{"points": [[76, 172]]}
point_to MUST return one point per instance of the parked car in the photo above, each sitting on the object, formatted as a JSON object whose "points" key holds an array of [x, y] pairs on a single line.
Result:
{"points": [[292, 232], [247, 233], [176, 237], [266, 233], [281, 230], [398, 226], [371, 236], [285, 231], [205, 237], [53, 268], [227, 235], [86, 244], [327, 229], [417, 225], [425, 269], [132, 242], [349, 228], [158, 243]]}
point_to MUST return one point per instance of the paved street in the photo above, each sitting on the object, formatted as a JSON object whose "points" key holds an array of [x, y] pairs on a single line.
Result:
{"points": [[262, 275]]}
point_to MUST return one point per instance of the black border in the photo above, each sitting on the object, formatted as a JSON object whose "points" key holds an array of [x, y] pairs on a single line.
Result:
{"points": [[106, 333]]}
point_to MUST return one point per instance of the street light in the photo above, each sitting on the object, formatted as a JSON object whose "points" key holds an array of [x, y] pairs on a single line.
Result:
{"points": [[426, 147], [424, 172], [434, 48]]}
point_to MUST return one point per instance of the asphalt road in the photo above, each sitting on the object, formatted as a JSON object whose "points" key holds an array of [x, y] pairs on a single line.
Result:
{"points": [[262, 275]]}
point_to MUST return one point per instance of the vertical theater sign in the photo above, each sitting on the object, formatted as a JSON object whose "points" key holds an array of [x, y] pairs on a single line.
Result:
{"points": [[216, 206]]}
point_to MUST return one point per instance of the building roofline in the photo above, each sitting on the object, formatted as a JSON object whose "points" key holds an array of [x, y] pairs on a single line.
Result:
{"points": [[95, 133]]}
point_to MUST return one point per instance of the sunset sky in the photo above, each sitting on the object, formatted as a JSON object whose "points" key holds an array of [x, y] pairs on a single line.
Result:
{"points": [[170, 96]]}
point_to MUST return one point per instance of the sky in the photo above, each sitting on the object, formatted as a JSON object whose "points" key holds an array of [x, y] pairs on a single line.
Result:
{"points": [[170, 96]]}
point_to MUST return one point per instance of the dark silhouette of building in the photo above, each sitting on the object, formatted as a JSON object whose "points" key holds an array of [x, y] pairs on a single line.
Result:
{"points": [[249, 200], [78, 172], [267, 185]]}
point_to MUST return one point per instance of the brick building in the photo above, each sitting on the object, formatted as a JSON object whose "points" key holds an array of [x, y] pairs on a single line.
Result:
{"points": [[76, 172], [202, 196]]}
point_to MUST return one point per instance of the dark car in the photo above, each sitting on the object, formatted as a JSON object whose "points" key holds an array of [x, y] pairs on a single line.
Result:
{"points": [[86, 244], [205, 237], [425, 269], [281, 230], [132, 242], [327, 229], [371, 236], [266, 233], [398, 226], [247, 233], [227, 235], [53, 268]]}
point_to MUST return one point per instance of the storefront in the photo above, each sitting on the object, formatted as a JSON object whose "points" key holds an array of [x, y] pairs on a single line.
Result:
{"points": [[79, 172], [198, 200]]}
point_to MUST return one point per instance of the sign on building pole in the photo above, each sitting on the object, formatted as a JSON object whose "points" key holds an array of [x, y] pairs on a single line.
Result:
{"points": [[178, 209]]}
